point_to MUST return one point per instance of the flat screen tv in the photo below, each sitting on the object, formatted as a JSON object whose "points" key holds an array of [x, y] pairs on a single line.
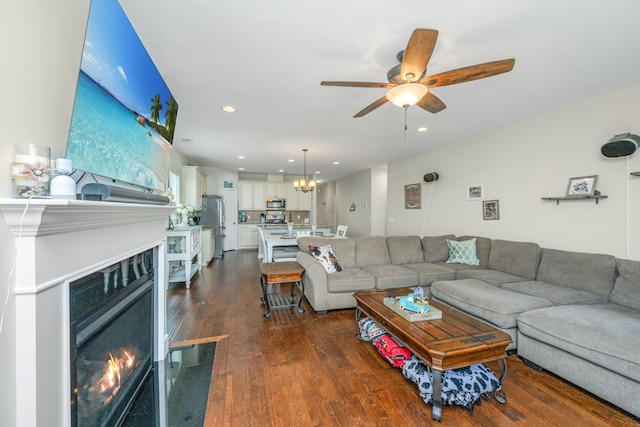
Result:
{"points": [[124, 114]]}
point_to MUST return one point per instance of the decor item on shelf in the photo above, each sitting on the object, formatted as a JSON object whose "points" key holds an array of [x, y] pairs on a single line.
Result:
{"points": [[62, 185], [621, 145], [582, 186], [474, 192], [303, 184], [187, 215], [490, 209], [412, 196], [30, 170]]}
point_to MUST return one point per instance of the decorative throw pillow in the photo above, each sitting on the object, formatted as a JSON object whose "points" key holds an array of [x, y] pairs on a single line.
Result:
{"points": [[324, 254], [463, 252]]}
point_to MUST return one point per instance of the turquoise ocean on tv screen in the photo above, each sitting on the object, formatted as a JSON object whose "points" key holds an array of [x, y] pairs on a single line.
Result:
{"points": [[107, 140]]}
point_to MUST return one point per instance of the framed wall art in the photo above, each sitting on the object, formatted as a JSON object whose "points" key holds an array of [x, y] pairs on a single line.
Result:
{"points": [[491, 209], [412, 196], [474, 192], [582, 186]]}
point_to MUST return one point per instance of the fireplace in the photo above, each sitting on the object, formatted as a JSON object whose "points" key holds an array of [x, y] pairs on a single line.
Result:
{"points": [[111, 331]]}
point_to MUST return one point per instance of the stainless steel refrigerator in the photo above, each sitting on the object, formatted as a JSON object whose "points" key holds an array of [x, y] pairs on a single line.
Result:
{"points": [[212, 216]]}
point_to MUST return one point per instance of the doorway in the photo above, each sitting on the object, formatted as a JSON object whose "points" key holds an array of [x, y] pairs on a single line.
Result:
{"points": [[230, 241]]}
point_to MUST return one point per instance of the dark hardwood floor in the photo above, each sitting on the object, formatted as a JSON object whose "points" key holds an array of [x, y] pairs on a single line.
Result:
{"points": [[309, 370]]}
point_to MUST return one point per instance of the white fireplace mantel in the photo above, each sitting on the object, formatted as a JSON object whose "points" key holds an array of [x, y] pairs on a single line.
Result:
{"points": [[55, 242]]}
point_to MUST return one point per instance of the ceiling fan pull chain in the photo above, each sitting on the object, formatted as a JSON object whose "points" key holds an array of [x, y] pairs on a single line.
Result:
{"points": [[405, 123]]}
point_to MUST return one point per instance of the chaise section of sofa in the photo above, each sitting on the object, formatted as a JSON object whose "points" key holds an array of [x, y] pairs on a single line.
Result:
{"points": [[595, 346]]}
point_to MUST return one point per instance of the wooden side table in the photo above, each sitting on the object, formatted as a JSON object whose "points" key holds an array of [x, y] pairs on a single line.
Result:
{"points": [[272, 273]]}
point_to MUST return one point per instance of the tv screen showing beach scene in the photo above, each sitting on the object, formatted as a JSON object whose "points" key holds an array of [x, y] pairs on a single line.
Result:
{"points": [[124, 114]]}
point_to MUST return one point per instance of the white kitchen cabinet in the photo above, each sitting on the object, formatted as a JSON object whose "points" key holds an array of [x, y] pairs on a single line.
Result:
{"points": [[193, 185], [252, 195], [276, 190], [298, 200], [184, 254], [208, 245], [248, 236]]}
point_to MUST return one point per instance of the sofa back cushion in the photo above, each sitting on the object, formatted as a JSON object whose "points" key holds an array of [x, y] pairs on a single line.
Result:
{"points": [[435, 249], [483, 249], [343, 249], [593, 273], [517, 258], [371, 251], [626, 290], [405, 249]]}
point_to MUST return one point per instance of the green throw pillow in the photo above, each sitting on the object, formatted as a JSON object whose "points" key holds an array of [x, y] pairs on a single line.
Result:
{"points": [[463, 252]]}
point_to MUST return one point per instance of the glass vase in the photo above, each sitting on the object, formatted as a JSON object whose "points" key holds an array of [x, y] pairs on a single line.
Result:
{"points": [[31, 170]]}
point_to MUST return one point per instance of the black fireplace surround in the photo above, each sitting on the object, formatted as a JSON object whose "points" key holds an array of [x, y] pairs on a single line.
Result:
{"points": [[111, 337]]}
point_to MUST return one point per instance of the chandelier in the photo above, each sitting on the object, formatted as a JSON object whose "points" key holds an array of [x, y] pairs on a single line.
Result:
{"points": [[302, 184]]}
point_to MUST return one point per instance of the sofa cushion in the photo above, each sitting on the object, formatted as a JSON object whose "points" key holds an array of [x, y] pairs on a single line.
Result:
{"points": [[517, 258], [462, 252], [392, 276], [435, 249], [429, 273], [557, 294], [605, 334], [498, 306], [371, 251], [593, 273], [350, 280], [626, 290], [483, 248], [325, 256], [405, 249], [493, 277], [343, 249]]}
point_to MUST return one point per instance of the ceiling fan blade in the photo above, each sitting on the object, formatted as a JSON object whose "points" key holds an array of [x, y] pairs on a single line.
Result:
{"points": [[431, 103], [467, 74], [369, 108], [357, 84], [417, 54]]}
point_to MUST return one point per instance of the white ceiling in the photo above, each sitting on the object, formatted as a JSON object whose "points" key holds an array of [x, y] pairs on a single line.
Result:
{"points": [[267, 58]]}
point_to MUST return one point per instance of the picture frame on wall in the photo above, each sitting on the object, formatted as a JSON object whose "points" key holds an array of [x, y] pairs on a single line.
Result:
{"points": [[412, 196], [490, 209], [474, 192], [582, 186]]}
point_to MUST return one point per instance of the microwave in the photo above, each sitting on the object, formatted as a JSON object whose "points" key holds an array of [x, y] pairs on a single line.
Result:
{"points": [[276, 204]]}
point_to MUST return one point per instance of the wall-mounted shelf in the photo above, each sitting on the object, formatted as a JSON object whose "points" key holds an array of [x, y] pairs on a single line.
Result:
{"points": [[596, 196]]}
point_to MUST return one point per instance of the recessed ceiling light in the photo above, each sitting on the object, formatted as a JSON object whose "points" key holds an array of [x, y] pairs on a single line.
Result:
{"points": [[291, 160], [336, 163], [241, 157], [240, 169], [317, 172], [280, 170], [229, 109], [422, 129], [186, 140]]}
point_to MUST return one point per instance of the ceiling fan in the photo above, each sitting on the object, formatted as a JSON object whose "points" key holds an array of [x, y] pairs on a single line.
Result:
{"points": [[408, 82]]}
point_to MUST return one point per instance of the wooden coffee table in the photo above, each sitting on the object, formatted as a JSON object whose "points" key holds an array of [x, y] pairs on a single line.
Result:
{"points": [[455, 341]]}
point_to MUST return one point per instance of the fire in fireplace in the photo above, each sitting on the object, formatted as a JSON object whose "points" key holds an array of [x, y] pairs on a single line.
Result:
{"points": [[111, 339]]}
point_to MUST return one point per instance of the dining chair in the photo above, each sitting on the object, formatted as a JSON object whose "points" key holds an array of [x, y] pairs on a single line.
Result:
{"points": [[341, 230]]}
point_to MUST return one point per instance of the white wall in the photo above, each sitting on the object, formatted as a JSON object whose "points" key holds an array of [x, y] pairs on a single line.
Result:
{"points": [[325, 209], [521, 163], [367, 190], [41, 45], [216, 178]]}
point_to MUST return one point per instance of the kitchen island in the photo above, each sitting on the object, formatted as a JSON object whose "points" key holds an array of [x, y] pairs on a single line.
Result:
{"points": [[272, 235]]}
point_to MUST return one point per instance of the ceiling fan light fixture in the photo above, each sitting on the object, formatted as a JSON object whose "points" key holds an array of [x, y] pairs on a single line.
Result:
{"points": [[406, 95]]}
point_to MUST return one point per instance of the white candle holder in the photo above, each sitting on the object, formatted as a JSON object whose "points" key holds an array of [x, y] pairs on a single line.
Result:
{"points": [[30, 170]]}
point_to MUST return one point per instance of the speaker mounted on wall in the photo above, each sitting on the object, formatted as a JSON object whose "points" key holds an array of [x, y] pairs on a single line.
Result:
{"points": [[431, 176], [621, 145]]}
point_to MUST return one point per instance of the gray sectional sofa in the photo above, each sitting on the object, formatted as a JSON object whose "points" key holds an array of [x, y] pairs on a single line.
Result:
{"points": [[574, 314]]}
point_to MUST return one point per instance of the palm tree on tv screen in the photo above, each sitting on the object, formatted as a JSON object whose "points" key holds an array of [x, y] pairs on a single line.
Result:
{"points": [[170, 117], [156, 107]]}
